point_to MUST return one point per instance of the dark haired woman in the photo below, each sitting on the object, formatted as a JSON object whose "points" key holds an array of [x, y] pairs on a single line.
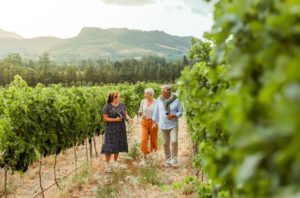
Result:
{"points": [[115, 141]]}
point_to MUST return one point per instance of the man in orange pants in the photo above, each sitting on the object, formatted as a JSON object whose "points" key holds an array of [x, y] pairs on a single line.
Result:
{"points": [[146, 111]]}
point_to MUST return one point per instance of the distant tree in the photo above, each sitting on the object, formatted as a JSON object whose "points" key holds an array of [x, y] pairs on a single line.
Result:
{"points": [[185, 61], [148, 68], [161, 75], [71, 74], [14, 59]]}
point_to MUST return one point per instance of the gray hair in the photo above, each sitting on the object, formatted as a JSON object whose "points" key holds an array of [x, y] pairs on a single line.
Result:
{"points": [[167, 88], [149, 91]]}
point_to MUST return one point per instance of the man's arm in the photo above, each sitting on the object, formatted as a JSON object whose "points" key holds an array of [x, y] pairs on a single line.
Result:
{"points": [[155, 116], [179, 109]]}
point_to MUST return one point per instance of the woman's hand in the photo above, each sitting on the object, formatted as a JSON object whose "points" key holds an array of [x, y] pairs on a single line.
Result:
{"points": [[154, 125], [118, 119], [130, 120], [108, 119]]}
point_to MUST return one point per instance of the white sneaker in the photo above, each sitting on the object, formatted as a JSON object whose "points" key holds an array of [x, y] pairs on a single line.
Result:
{"points": [[174, 162], [107, 168], [117, 165], [167, 163]]}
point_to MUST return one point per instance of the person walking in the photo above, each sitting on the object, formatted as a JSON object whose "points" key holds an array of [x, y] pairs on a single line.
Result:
{"points": [[148, 132], [166, 112]]}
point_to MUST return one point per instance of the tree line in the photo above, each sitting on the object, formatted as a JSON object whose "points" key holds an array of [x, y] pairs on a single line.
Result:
{"points": [[89, 72]]}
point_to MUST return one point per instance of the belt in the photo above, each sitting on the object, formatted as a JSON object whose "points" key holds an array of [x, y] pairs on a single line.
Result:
{"points": [[147, 119]]}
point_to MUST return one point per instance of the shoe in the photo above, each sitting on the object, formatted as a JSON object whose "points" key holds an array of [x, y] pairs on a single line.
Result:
{"points": [[107, 168], [167, 163], [117, 165], [174, 162]]}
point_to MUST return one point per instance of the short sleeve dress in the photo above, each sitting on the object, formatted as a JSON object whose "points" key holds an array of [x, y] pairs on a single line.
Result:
{"points": [[115, 140]]}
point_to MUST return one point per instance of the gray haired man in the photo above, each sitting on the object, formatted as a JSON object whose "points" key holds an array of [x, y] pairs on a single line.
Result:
{"points": [[166, 112]]}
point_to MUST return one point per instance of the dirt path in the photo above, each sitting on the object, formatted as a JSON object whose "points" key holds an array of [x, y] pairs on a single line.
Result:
{"points": [[92, 181]]}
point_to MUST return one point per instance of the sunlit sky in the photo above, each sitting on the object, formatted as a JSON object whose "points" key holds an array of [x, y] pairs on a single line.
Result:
{"points": [[65, 18]]}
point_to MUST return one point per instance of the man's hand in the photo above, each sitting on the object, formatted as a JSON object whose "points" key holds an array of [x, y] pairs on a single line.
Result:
{"points": [[171, 116]]}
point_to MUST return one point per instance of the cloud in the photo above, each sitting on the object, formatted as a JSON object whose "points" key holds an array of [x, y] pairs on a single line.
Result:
{"points": [[129, 2], [200, 6], [196, 6]]}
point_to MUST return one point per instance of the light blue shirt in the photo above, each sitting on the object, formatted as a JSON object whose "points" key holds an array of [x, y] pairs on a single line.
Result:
{"points": [[160, 117]]}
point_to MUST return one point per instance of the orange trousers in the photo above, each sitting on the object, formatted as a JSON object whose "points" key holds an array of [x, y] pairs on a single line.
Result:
{"points": [[148, 131]]}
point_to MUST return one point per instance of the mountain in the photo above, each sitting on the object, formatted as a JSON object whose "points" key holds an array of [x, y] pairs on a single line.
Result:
{"points": [[5, 34], [95, 43]]}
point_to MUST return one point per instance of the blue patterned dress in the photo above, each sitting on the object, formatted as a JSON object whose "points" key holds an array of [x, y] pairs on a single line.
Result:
{"points": [[115, 140]]}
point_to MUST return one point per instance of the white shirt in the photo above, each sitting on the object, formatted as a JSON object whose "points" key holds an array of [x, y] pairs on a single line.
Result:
{"points": [[160, 117], [147, 110]]}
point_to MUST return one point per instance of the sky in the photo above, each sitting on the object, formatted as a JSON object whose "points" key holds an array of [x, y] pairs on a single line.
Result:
{"points": [[65, 18]]}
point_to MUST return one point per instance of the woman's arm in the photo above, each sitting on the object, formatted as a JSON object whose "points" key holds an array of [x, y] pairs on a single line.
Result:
{"points": [[140, 112], [127, 116], [130, 120], [108, 119]]}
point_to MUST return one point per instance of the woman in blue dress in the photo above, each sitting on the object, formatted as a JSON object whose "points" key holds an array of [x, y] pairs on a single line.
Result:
{"points": [[115, 141]]}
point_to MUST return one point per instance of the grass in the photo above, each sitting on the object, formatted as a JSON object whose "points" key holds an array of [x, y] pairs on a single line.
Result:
{"points": [[107, 191], [111, 188], [149, 175], [205, 190], [160, 139], [191, 185], [83, 174], [177, 186], [133, 153], [76, 183], [118, 176], [10, 188]]}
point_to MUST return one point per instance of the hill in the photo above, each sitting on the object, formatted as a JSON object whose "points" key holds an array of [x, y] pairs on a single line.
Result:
{"points": [[6, 34], [95, 43]]}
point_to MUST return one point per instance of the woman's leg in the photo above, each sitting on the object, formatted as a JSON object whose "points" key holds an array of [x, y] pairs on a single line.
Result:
{"points": [[107, 157], [116, 156], [145, 137], [153, 138]]}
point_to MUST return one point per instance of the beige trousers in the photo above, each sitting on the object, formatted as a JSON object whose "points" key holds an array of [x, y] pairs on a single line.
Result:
{"points": [[170, 136]]}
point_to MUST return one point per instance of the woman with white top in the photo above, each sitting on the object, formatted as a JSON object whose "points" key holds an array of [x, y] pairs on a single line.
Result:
{"points": [[148, 131]]}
